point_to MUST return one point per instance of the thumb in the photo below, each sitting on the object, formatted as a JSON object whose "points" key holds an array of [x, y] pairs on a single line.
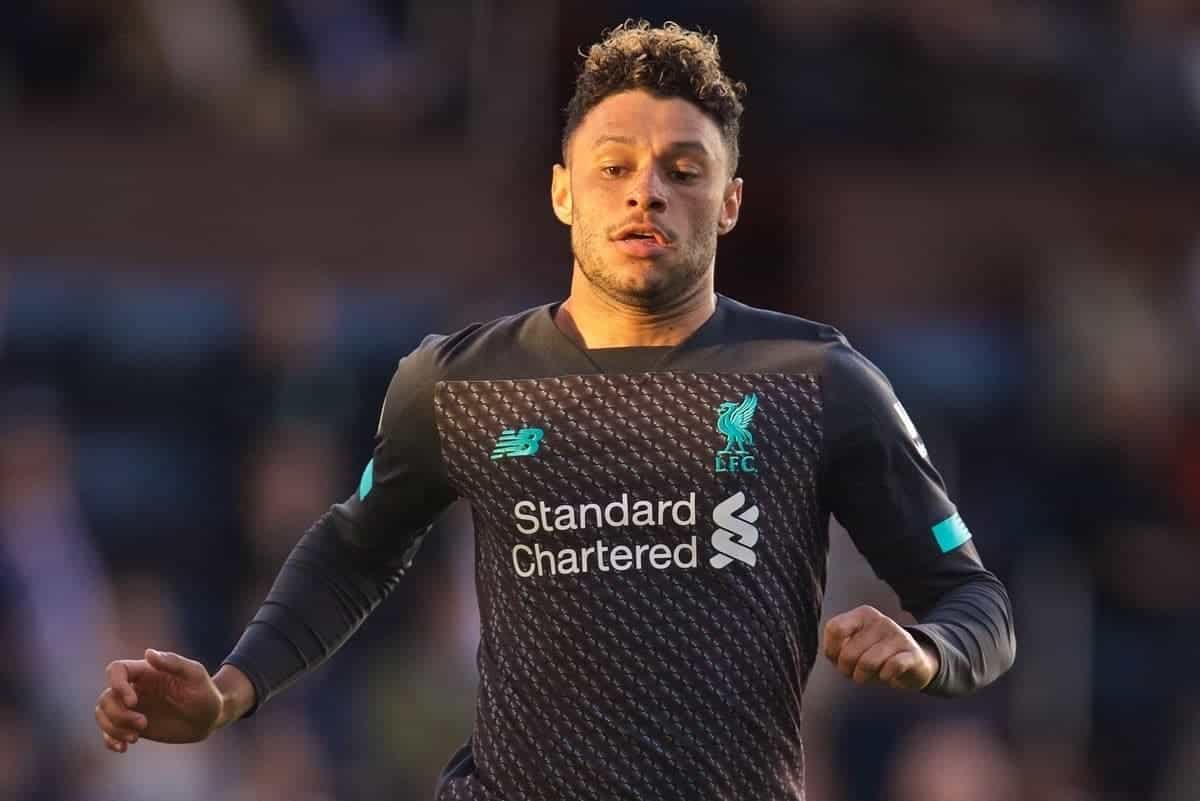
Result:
{"points": [[173, 663], [840, 628]]}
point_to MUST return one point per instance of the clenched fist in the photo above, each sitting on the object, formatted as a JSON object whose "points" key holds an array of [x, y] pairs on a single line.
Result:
{"points": [[870, 647]]}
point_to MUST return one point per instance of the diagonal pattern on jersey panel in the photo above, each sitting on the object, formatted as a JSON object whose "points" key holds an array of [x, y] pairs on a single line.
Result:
{"points": [[656, 681]]}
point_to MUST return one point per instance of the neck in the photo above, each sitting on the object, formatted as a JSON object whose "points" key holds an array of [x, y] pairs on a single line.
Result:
{"points": [[596, 320]]}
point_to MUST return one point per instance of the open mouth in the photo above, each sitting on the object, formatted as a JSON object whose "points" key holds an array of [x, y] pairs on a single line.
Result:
{"points": [[643, 233]]}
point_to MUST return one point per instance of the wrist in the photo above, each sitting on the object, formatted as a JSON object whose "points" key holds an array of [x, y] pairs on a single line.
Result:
{"points": [[934, 659], [930, 651], [236, 692]]}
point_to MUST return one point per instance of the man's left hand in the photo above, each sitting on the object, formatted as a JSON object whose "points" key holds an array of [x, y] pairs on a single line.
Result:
{"points": [[870, 647]]}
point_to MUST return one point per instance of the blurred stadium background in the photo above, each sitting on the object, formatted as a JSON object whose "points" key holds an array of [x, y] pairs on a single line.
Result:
{"points": [[222, 221]]}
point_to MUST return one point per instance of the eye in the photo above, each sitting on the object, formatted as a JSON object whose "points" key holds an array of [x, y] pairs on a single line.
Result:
{"points": [[684, 176], [612, 170]]}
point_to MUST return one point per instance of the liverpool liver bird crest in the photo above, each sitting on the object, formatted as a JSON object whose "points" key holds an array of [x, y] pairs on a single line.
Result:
{"points": [[733, 420]]}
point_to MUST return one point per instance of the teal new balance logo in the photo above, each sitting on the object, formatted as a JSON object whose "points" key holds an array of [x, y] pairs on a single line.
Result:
{"points": [[733, 420], [524, 442]]}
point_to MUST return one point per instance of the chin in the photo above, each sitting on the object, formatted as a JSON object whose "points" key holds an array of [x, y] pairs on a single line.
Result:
{"points": [[643, 279], [642, 283], [651, 293]]}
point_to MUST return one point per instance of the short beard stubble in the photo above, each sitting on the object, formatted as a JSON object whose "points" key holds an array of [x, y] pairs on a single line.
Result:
{"points": [[676, 281]]}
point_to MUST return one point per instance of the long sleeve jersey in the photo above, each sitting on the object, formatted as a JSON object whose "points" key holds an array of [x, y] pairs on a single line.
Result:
{"points": [[651, 536]]}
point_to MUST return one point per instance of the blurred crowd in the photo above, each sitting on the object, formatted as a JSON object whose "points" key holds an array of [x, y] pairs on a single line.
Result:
{"points": [[1113, 79], [991, 198]]}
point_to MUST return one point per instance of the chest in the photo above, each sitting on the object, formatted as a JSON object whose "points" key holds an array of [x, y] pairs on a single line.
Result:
{"points": [[644, 450]]}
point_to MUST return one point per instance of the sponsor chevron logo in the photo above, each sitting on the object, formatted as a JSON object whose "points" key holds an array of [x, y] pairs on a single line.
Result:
{"points": [[736, 535]]}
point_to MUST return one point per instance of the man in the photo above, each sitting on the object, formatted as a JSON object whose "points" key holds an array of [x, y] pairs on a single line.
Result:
{"points": [[651, 468]]}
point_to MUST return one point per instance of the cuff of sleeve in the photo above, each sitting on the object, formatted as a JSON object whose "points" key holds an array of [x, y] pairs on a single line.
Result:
{"points": [[256, 679], [924, 636]]}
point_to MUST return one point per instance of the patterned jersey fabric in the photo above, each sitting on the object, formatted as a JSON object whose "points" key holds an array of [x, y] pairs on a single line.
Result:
{"points": [[650, 535], [670, 678]]}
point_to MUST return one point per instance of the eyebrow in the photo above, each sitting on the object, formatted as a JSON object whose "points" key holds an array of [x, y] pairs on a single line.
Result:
{"points": [[686, 144]]}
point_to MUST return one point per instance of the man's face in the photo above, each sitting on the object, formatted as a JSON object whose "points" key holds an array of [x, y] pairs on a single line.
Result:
{"points": [[646, 191]]}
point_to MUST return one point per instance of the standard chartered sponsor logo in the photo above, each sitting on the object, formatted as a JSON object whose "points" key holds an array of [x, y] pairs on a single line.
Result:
{"points": [[535, 517], [535, 560], [735, 535], [733, 539]]}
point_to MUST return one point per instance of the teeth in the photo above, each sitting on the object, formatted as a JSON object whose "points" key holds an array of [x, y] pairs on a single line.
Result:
{"points": [[640, 235]]}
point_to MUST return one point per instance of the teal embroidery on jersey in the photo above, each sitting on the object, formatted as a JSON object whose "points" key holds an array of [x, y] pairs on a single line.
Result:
{"points": [[733, 421], [367, 481], [524, 442], [951, 533]]}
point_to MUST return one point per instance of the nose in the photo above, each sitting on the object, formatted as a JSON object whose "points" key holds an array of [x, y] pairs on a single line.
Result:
{"points": [[647, 192]]}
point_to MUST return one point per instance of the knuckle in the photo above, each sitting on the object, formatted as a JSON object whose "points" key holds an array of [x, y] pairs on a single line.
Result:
{"points": [[868, 611]]}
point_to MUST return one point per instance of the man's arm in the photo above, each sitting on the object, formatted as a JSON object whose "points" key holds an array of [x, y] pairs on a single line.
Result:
{"points": [[352, 558], [879, 483], [335, 576]]}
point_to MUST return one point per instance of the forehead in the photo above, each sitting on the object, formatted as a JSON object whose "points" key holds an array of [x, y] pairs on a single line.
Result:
{"points": [[648, 121]]}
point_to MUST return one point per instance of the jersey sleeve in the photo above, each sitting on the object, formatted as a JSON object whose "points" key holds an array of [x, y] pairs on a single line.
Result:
{"points": [[403, 487], [354, 555], [879, 483]]}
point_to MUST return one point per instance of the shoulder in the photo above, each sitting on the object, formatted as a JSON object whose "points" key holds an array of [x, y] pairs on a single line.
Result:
{"points": [[774, 340], [840, 362], [853, 380], [745, 338], [850, 378], [444, 355], [743, 321]]}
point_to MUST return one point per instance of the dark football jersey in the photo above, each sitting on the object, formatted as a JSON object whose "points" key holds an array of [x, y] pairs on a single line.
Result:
{"points": [[651, 533]]}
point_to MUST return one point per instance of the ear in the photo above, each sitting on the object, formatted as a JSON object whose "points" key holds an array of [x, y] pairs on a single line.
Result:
{"points": [[731, 206], [560, 194]]}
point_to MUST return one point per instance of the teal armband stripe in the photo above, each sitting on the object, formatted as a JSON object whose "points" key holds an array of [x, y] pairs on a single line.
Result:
{"points": [[951, 533], [367, 481]]}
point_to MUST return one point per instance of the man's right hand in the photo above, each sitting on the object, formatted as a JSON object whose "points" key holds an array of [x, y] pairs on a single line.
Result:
{"points": [[169, 699]]}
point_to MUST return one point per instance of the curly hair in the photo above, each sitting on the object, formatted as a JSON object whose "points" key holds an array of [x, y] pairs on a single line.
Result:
{"points": [[670, 61]]}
